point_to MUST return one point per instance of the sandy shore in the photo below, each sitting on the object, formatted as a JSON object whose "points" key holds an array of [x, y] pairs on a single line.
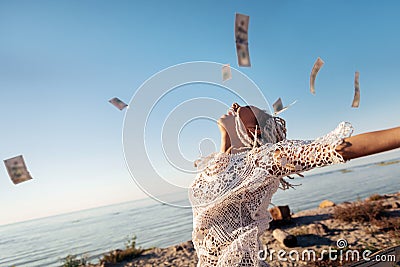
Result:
{"points": [[314, 229]]}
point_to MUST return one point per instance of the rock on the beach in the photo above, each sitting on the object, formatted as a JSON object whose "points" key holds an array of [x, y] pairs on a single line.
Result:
{"points": [[317, 229], [285, 238], [391, 205], [326, 204]]}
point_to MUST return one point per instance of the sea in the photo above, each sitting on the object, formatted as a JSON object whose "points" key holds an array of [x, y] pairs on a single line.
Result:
{"points": [[93, 232]]}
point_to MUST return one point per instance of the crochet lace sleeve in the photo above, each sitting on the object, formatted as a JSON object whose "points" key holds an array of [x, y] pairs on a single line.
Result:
{"points": [[295, 156]]}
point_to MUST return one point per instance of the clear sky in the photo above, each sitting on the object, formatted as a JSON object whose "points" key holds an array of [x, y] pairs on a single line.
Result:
{"points": [[61, 61]]}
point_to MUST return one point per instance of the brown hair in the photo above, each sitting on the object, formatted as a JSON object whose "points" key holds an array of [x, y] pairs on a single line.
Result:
{"points": [[273, 129]]}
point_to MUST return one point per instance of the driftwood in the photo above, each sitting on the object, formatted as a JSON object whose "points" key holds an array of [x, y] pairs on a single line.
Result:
{"points": [[284, 238]]}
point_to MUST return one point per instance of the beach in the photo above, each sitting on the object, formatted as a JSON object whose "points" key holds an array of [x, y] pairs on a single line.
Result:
{"points": [[95, 232], [316, 229]]}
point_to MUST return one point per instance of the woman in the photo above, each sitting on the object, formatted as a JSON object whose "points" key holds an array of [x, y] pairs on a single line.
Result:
{"points": [[231, 194]]}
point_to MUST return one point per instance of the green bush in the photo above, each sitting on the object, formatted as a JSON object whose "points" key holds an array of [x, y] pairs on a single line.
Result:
{"points": [[375, 197], [359, 212], [73, 261], [130, 252]]}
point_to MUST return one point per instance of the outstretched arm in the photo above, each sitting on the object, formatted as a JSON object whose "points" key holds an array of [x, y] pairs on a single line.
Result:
{"points": [[295, 156], [369, 143]]}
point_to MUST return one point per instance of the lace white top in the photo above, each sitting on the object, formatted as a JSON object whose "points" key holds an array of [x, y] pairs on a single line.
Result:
{"points": [[231, 195]]}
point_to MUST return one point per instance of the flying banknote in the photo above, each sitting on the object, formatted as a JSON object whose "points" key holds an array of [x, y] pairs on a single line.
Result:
{"points": [[226, 72], [317, 66], [118, 103], [17, 170], [242, 39], [279, 108], [356, 99]]}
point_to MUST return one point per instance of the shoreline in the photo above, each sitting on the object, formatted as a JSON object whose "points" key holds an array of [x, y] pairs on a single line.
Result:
{"points": [[387, 158], [315, 229]]}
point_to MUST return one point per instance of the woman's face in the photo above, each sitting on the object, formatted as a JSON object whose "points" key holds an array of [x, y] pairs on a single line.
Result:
{"points": [[248, 116]]}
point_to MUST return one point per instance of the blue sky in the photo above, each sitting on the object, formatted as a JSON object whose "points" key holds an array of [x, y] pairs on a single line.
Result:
{"points": [[61, 61]]}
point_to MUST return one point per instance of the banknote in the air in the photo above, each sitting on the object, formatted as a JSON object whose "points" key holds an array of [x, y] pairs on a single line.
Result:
{"points": [[17, 169]]}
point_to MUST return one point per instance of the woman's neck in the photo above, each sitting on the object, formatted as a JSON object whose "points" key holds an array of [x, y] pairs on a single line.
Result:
{"points": [[231, 146]]}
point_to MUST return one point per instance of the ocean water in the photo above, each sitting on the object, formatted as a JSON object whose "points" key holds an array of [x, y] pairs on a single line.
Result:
{"points": [[47, 241]]}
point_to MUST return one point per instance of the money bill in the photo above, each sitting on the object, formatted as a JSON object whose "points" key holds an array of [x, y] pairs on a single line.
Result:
{"points": [[242, 39], [317, 66], [241, 28], [356, 99], [226, 72], [17, 170], [242, 51], [279, 108], [118, 103]]}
